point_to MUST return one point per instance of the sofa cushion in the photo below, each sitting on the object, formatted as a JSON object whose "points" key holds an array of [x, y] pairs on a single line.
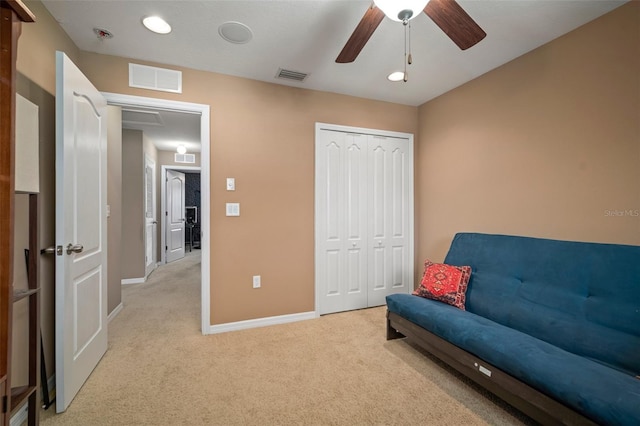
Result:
{"points": [[581, 297], [444, 283], [606, 395]]}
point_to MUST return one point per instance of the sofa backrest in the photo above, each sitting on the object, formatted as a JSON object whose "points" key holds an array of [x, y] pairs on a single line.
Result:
{"points": [[582, 297]]}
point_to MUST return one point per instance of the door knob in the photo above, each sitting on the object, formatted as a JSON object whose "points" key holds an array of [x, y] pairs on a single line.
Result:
{"points": [[74, 248]]}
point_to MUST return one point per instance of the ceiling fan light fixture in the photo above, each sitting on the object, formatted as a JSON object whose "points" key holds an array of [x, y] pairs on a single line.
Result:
{"points": [[156, 24], [181, 149], [401, 10], [396, 76]]}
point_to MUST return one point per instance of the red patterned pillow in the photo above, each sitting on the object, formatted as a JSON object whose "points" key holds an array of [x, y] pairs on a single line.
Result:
{"points": [[445, 283]]}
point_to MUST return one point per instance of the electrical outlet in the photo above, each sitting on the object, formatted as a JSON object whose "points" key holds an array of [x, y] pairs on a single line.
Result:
{"points": [[256, 281]]}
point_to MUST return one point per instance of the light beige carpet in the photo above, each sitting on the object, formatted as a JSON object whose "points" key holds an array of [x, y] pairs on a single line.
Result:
{"points": [[334, 370]]}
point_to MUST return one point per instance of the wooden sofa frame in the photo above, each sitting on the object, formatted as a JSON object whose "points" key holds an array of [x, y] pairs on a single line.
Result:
{"points": [[531, 402]]}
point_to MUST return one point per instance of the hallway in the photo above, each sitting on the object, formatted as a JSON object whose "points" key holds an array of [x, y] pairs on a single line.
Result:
{"points": [[158, 316]]}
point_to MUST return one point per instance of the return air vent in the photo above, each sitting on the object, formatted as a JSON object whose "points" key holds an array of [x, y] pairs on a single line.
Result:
{"points": [[134, 116], [153, 78], [185, 158], [291, 75]]}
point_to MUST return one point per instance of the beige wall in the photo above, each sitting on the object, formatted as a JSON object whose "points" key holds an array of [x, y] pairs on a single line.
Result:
{"points": [[20, 319], [542, 146], [263, 135], [37, 47], [132, 204], [46, 123], [114, 200]]}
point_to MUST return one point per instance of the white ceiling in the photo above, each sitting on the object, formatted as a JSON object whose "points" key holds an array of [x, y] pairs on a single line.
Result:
{"points": [[306, 36], [167, 129]]}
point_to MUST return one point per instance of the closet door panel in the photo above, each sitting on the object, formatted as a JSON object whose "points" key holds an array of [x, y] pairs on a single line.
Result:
{"points": [[389, 230], [400, 217], [342, 273], [330, 268], [355, 218]]}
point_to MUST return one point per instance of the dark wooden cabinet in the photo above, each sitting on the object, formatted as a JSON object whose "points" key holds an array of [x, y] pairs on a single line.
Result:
{"points": [[13, 13], [20, 394]]}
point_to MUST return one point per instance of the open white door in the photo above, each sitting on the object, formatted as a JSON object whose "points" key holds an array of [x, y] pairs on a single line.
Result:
{"points": [[175, 215], [81, 224], [150, 215]]}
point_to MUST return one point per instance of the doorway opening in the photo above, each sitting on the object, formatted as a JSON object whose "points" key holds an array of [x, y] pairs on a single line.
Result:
{"points": [[128, 101], [187, 223]]}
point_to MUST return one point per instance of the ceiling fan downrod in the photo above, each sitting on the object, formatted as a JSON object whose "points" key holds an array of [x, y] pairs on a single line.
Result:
{"points": [[407, 52]]}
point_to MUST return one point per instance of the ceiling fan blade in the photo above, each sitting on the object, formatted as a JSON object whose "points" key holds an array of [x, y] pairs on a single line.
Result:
{"points": [[368, 24], [455, 22]]}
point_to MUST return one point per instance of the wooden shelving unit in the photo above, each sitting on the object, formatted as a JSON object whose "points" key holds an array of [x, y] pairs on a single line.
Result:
{"points": [[20, 394], [12, 14]]}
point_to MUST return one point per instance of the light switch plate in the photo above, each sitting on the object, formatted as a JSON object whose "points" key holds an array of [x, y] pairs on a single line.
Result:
{"points": [[233, 209], [231, 184]]}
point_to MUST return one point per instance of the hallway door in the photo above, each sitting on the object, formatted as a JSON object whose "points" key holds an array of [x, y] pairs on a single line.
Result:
{"points": [[175, 215], [151, 222]]}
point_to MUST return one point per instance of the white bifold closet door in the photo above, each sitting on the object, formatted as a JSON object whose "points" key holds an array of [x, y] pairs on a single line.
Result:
{"points": [[363, 219]]}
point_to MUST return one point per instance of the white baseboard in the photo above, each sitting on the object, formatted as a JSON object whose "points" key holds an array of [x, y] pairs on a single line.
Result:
{"points": [[133, 281], [260, 322], [114, 313]]}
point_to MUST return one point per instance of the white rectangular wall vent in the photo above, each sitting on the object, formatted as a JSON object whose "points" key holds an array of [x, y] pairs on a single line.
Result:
{"points": [[185, 158], [291, 75], [153, 78]]}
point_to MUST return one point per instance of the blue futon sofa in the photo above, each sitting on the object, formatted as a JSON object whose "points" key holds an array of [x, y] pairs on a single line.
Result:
{"points": [[552, 327]]}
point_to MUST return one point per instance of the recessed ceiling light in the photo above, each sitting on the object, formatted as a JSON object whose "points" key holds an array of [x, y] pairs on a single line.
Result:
{"points": [[156, 24], [235, 32], [396, 76]]}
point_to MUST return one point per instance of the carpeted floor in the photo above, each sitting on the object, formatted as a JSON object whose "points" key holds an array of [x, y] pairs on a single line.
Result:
{"points": [[334, 370]]}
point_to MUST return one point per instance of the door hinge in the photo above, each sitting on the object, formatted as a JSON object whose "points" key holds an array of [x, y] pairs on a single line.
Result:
{"points": [[166, 248]]}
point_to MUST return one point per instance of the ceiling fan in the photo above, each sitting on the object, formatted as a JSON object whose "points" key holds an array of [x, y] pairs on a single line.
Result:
{"points": [[447, 14]]}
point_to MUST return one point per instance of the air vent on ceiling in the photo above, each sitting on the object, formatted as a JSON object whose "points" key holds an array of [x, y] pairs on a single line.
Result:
{"points": [[134, 116], [154, 78], [291, 75], [185, 158]]}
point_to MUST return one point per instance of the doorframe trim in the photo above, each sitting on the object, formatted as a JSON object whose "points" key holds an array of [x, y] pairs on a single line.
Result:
{"points": [[205, 182], [373, 132]]}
